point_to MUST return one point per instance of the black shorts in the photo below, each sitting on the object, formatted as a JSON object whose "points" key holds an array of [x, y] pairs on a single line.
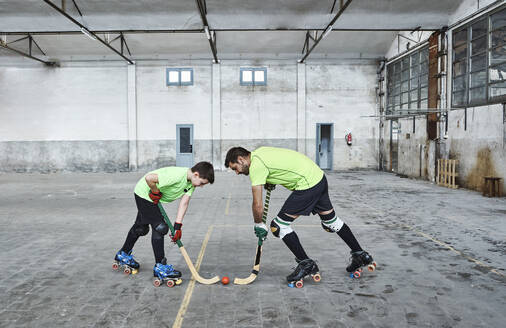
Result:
{"points": [[148, 213], [313, 200]]}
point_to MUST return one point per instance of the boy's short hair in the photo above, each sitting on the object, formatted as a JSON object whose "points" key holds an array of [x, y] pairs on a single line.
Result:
{"points": [[205, 170], [234, 153]]}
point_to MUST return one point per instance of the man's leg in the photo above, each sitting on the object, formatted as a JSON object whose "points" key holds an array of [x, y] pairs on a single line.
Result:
{"points": [[332, 223], [281, 228]]}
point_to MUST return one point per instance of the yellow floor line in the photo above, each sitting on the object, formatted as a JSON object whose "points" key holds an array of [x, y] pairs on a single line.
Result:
{"points": [[189, 291], [228, 204], [491, 269]]}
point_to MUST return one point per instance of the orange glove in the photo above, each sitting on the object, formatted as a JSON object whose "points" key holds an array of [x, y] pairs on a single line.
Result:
{"points": [[177, 232], [155, 196]]}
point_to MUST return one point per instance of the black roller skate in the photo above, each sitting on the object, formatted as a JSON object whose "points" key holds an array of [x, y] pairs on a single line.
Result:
{"points": [[358, 260], [165, 273], [304, 268], [126, 261]]}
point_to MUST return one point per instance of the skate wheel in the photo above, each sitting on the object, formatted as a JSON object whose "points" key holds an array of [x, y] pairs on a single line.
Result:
{"points": [[135, 271], [170, 283], [127, 271], [360, 270], [299, 284], [157, 282], [115, 266], [317, 277], [179, 282], [356, 274], [371, 267]]}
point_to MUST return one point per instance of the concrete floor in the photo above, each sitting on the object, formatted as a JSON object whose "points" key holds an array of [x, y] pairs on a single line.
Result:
{"points": [[440, 253]]}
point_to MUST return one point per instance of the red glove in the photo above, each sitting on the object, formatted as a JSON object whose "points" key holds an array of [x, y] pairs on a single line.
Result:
{"points": [[177, 232], [155, 196]]}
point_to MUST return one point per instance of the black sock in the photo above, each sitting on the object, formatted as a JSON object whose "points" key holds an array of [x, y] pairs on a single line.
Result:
{"points": [[292, 242], [348, 237]]}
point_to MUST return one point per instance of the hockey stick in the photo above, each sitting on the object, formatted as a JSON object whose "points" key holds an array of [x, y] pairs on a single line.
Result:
{"points": [[256, 266], [194, 272]]}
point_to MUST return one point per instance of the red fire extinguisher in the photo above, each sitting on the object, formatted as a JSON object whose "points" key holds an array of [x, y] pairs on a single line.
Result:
{"points": [[348, 139]]}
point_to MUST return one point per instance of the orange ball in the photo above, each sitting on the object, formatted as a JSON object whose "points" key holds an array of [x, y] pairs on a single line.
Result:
{"points": [[225, 280]]}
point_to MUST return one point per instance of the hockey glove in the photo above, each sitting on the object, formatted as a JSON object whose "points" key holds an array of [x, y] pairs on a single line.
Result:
{"points": [[261, 231], [177, 232], [269, 186], [155, 196]]}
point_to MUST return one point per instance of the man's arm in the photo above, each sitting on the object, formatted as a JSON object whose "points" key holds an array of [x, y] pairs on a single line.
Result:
{"points": [[183, 206], [257, 205]]}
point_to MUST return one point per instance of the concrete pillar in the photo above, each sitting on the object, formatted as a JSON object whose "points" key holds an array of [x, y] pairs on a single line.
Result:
{"points": [[216, 117], [132, 118], [301, 108]]}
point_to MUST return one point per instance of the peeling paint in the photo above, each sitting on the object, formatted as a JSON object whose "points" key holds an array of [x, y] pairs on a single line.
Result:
{"points": [[484, 166]]}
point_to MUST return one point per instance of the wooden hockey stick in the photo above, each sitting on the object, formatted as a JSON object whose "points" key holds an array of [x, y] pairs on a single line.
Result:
{"points": [[194, 272], [256, 266]]}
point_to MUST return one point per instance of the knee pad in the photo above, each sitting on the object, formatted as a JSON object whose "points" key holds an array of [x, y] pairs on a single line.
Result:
{"points": [[162, 228], [331, 222], [280, 227], [140, 229]]}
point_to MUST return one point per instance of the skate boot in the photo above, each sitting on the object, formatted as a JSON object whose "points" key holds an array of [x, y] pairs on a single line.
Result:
{"points": [[125, 261], [358, 260], [304, 268], [165, 273]]}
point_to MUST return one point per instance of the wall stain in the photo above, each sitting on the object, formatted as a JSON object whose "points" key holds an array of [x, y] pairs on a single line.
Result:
{"points": [[484, 167]]}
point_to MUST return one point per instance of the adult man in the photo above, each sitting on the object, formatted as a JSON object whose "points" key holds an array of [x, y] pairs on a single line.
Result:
{"points": [[296, 172]]}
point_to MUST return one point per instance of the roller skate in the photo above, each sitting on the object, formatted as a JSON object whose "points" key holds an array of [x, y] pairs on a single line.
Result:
{"points": [[358, 260], [165, 273], [304, 268], [125, 261]]}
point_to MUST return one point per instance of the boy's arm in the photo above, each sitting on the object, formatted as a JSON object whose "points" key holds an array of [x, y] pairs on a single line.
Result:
{"points": [[152, 180], [183, 206]]}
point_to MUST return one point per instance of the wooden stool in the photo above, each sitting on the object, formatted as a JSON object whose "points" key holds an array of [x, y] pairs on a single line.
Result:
{"points": [[492, 187]]}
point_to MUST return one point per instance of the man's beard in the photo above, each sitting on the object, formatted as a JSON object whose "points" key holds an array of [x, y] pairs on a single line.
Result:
{"points": [[245, 169]]}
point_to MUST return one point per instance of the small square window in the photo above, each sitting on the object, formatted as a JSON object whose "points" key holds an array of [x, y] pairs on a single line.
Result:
{"points": [[179, 76], [173, 77], [247, 76], [253, 76]]}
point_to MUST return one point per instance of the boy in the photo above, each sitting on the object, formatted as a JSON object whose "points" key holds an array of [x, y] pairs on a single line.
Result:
{"points": [[163, 185], [270, 166]]}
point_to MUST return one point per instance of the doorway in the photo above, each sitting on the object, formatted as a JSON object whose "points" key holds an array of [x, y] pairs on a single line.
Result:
{"points": [[324, 145], [184, 145]]}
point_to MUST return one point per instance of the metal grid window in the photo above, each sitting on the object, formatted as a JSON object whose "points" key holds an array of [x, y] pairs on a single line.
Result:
{"points": [[253, 76], [407, 81], [179, 76], [479, 61]]}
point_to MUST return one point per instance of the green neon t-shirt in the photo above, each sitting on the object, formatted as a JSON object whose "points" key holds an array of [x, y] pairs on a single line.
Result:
{"points": [[172, 182], [285, 167]]}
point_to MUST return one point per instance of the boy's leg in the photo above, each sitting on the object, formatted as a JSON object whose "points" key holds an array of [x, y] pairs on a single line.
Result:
{"points": [[158, 231], [134, 233]]}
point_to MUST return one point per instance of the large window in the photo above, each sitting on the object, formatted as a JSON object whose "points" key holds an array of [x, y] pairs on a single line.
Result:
{"points": [[479, 61], [407, 81]]}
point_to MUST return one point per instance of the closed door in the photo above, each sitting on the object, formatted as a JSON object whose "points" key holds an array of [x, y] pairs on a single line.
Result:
{"points": [[184, 145], [324, 137]]}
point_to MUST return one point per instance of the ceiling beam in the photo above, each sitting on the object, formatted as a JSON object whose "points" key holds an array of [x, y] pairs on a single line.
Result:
{"points": [[219, 30], [211, 35], [5, 46], [325, 31], [86, 31]]}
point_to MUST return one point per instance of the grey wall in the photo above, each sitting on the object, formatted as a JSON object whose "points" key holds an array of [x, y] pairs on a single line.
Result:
{"points": [[475, 138], [108, 117]]}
